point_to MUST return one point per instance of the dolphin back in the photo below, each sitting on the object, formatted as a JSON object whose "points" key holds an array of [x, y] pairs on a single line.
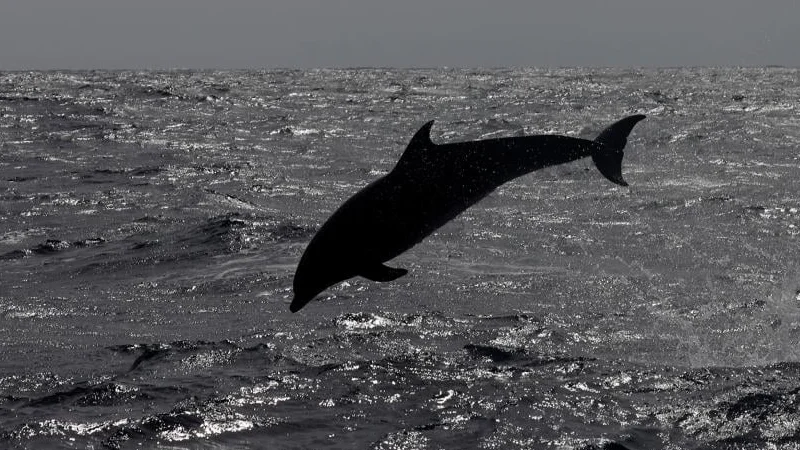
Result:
{"points": [[608, 155]]}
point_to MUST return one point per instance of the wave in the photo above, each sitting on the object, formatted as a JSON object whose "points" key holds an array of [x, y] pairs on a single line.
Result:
{"points": [[53, 246], [234, 232]]}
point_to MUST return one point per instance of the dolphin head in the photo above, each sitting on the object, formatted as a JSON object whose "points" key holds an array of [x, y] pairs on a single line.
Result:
{"points": [[306, 287], [313, 276]]}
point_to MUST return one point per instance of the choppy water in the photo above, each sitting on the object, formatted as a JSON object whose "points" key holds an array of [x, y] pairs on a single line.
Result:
{"points": [[150, 223]]}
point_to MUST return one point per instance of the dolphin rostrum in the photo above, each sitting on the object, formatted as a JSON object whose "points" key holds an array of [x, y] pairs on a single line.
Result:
{"points": [[429, 186]]}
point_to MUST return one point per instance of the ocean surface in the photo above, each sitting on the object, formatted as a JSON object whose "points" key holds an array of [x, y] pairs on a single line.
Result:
{"points": [[151, 222]]}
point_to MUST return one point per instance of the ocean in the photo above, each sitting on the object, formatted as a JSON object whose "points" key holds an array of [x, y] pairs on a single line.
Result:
{"points": [[151, 223]]}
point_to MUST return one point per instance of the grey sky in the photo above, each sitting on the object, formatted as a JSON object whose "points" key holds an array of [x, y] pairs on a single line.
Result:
{"points": [[53, 34]]}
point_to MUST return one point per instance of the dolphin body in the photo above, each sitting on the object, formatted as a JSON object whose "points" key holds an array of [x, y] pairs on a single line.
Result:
{"points": [[430, 185]]}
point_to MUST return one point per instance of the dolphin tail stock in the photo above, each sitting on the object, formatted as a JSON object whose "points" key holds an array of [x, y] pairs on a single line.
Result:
{"points": [[608, 156]]}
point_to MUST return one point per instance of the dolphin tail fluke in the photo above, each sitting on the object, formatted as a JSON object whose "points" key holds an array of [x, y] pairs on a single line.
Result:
{"points": [[608, 157]]}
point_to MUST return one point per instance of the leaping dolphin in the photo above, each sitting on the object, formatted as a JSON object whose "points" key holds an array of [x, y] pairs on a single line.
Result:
{"points": [[430, 185]]}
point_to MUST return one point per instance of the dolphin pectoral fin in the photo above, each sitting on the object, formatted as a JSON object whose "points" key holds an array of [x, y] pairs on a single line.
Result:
{"points": [[382, 272]]}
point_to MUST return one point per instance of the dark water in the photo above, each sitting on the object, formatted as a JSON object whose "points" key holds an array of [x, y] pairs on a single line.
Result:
{"points": [[150, 223]]}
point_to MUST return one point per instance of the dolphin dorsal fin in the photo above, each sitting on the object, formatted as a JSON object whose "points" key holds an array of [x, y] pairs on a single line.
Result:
{"points": [[422, 138], [418, 144]]}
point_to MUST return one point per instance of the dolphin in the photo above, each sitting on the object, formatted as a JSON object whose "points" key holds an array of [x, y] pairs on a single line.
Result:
{"points": [[430, 185]]}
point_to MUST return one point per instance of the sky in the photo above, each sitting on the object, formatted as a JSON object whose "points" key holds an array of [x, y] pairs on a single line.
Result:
{"points": [[200, 34]]}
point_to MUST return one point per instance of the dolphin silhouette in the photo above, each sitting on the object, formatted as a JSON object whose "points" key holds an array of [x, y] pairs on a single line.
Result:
{"points": [[430, 185]]}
